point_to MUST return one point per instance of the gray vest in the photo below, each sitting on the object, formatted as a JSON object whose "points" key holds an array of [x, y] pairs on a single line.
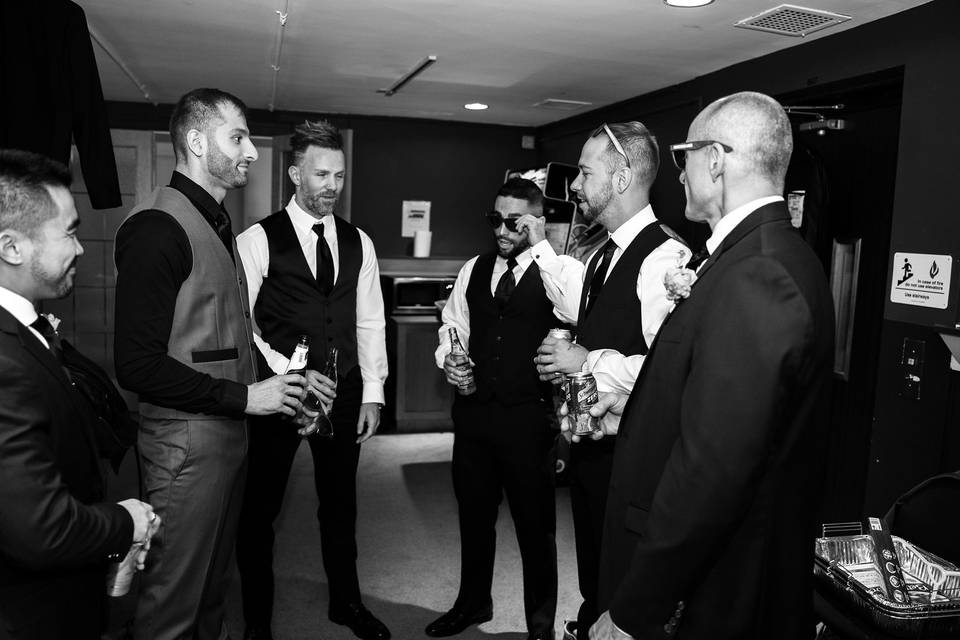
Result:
{"points": [[211, 330]]}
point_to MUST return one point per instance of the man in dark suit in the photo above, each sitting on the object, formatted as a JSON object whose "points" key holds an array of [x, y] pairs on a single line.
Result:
{"points": [[56, 534], [501, 433], [709, 517]]}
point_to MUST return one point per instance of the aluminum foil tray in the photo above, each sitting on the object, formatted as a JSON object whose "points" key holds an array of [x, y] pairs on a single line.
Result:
{"points": [[845, 566]]}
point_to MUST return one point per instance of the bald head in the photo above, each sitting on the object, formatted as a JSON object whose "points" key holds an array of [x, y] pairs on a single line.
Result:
{"points": [[757, 128]]}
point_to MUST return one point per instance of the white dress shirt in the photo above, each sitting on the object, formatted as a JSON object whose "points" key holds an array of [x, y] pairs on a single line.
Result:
{"points": [[21, 309], [727, 223], [563, 279], [371, 326], [456, 313]]}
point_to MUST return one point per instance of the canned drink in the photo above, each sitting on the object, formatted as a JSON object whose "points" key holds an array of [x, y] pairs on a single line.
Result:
{"points": [[581, 395]]}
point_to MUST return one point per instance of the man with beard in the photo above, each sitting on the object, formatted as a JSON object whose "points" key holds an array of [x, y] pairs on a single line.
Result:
{"points": [[55, 532], [184, 343], [501, 431], [310, 272], [617, 302]]}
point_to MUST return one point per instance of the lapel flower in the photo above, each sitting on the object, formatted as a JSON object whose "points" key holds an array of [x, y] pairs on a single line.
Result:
{"points": [[53, 320], [678, 279]]}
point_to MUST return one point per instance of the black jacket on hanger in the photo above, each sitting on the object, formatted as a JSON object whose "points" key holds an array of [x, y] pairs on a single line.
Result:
{"points": [[51, 92]]}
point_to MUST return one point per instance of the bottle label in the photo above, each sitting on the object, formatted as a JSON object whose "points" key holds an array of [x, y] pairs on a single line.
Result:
{"points": [[298, 361]]}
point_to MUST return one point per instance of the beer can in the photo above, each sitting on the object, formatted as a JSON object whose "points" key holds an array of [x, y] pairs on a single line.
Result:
{"points": [[581, 395]]}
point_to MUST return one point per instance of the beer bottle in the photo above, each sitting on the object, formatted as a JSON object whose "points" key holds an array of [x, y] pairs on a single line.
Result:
{"points": [[298, 364], [462, 360]]}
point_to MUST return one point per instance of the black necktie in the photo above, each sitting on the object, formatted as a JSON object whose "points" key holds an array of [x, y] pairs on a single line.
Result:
{"points": [[324, 261], [697, 259], [225, 231], [596, 282], [506, 284], [44, 328]]}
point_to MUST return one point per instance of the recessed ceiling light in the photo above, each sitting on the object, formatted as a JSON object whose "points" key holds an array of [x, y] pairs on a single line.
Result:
{"points": [[687, 3], [475, 106]]}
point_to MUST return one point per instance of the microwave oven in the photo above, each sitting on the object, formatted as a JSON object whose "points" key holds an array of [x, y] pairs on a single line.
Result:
{"points": [[415, 294]]}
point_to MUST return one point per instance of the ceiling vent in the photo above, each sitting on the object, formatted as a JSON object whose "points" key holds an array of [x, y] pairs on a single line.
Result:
{"points": [[791, 20], [556, 104]]}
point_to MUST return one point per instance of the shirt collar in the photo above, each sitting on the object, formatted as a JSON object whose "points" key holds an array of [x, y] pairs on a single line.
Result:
{"points": [[523, 260], [727, 223], [18, 306], [304, 221], [208, 207], [626, 232]]}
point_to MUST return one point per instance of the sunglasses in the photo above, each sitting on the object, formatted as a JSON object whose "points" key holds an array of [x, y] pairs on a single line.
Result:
{"points": [[613, 140], [679, 151], [495, 218]]}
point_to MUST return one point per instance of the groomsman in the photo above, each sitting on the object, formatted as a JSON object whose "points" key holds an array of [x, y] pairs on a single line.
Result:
{"points": [[709, 518], [310, 272], [501, 431], [617, 302]]}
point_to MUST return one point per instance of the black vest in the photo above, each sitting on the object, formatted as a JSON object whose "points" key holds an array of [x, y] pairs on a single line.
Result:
{"points": [[503, 342], [290, 303], [614, 322]]}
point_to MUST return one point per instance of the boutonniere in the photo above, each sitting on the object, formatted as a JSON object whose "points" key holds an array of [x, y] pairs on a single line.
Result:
{"points": [[678, 279], [53, 320]]}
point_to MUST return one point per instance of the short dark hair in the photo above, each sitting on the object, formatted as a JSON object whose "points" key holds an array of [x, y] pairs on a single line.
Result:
{"points": [[638, 143], [319, 133], [522, 189], [199, 109], [25, 202]]}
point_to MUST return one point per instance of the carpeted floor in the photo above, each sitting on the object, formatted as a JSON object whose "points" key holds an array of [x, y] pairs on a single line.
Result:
{"points": [[408, 545]]}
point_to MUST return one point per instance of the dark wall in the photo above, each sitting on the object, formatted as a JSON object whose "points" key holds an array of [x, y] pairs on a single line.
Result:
{"points": [[910, 439], [457, 166]]}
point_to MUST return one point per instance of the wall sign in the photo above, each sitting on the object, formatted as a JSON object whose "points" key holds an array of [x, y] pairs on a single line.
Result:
{"points": [[416, 217], [921, 279]]}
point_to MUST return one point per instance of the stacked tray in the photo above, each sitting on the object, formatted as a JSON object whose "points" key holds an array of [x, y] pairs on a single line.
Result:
{"points": [[846, 567]]}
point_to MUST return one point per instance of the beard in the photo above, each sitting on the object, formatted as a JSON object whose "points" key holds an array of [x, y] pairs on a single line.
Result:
{"points": [[516, 247], [221, 166], [58, 285], [596, 205], [321, 203]]}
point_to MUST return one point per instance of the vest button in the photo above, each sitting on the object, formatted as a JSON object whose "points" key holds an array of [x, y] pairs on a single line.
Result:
{"points": [[246, 314], [330, 339], [329, 320]]}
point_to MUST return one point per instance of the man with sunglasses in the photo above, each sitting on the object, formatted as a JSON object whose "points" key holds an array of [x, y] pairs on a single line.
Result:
{"points": [[617, 300], [501, 432], [715, 479]]}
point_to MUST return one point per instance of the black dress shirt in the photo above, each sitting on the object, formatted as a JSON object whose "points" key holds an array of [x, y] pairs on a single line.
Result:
{"points": [[154, 259]]}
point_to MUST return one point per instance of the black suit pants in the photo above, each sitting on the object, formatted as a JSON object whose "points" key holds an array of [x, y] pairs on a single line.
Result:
{"points": [[590, 465], [273, 444], [501, 450]]}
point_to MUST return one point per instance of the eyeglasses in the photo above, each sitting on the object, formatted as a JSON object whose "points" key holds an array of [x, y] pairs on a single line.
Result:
{"points": [[679, 151], [613, 140], [495, 218]]}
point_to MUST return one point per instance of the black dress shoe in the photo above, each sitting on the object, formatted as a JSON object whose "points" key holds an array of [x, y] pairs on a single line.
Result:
{"points": [[359, 619], [541, 635], [454, 621], [257, 633]]}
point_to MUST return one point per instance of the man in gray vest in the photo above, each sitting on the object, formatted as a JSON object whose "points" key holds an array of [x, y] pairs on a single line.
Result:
{"points": [[310, 272], [184, 343], [617, 302]]}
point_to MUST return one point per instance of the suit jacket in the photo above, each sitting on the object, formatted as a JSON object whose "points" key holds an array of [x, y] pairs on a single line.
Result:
{"points": [[52, 92], [54, 536], [709, 530]]}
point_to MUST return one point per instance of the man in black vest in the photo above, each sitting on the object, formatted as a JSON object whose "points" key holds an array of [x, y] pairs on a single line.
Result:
{"points": [[502, 434], [312, 273], [617, 301]]}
